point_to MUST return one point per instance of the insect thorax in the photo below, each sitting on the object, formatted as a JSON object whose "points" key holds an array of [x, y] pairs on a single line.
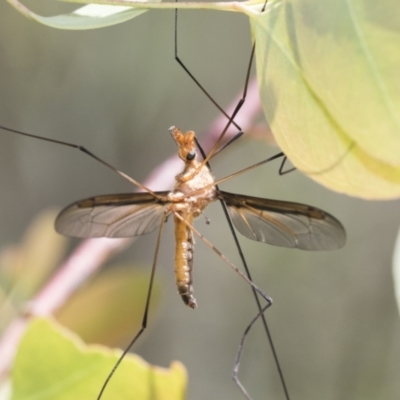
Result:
{"points": [[196, 203]]}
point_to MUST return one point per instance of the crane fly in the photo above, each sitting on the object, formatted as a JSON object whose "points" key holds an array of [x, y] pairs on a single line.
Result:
{"points": [[275, 222]]}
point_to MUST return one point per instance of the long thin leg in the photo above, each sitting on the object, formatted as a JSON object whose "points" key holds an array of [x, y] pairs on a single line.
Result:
{"points": [[253, 286], [215, 149], [226, 178], [260, 314], [236, 110], [257, 299], [288, 171], [194, 79], [145, 314], [86, 151], [255, 291]]}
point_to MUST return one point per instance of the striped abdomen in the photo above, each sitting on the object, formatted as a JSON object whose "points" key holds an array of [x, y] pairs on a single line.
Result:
{"points": [[184, 259]]}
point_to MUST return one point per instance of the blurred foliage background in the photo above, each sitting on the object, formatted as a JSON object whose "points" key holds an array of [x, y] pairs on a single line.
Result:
{"points": [[116, 91]]}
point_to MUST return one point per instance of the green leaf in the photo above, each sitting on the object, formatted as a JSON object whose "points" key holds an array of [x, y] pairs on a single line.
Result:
{"points": [[91, 16], [330, 86], [51, 363]]}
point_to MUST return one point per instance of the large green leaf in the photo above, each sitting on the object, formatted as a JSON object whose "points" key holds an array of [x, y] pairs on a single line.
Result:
{"points": [[51, 363], [330, 86], [91, 16]]}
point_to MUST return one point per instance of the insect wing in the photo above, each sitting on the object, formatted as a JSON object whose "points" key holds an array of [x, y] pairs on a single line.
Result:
{"points": [[113, 216], [283, 223]]}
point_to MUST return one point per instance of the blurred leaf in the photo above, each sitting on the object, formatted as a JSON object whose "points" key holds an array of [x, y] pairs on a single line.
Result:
{"points": [[52, 363], [39, 253], [109, 309], [32, 261], [330, 87], [91, 16], [26, 266]]}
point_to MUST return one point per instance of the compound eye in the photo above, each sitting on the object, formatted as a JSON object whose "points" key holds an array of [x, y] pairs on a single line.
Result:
{"points": [[191, 155]]}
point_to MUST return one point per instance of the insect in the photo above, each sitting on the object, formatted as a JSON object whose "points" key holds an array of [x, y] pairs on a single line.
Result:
{"points": [[269, 221]]}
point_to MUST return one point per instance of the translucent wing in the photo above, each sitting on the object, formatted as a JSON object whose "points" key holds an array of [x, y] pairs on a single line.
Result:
{"points": [[282, 223], [114, 216]]}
